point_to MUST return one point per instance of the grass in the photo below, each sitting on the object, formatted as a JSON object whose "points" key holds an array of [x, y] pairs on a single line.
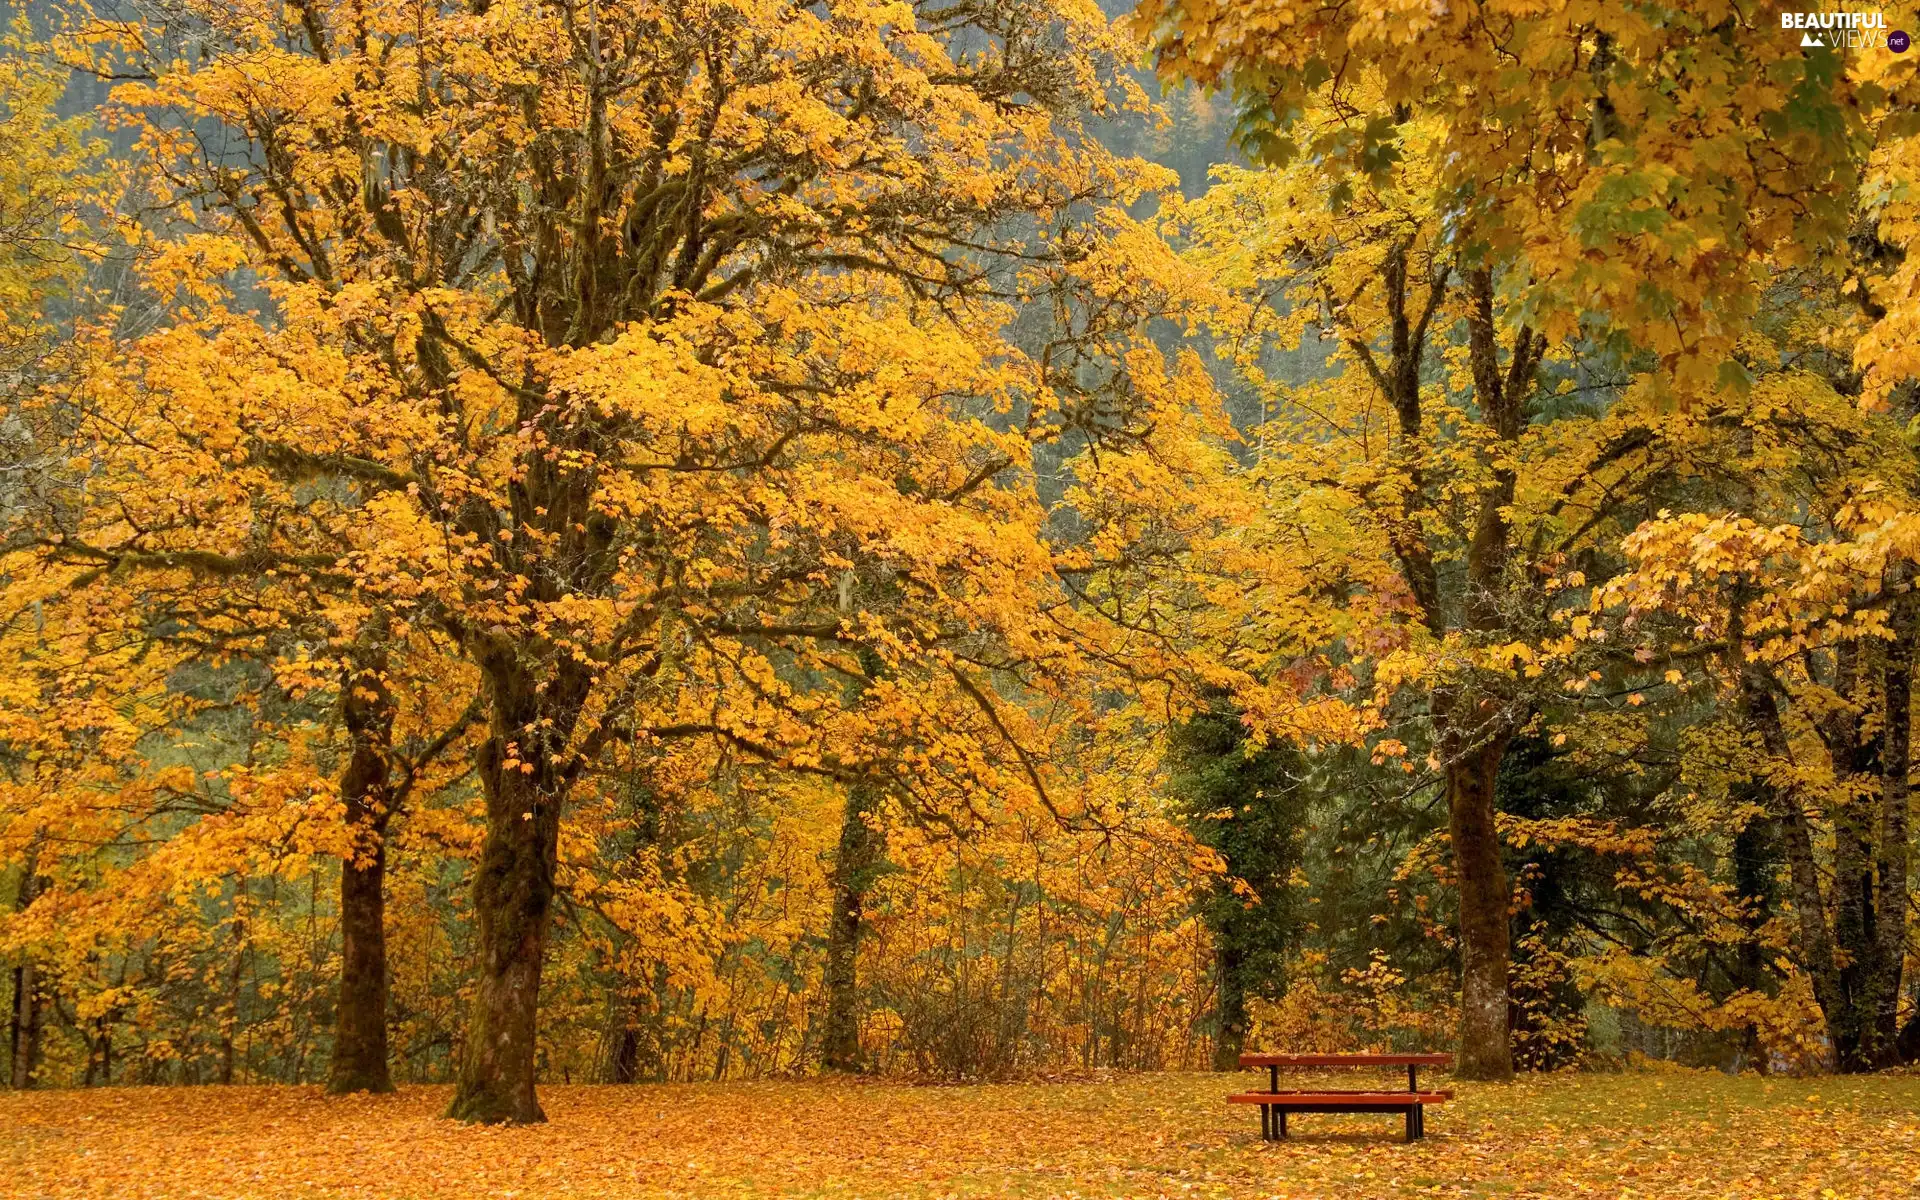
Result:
{"points": [[1678, 1134]]}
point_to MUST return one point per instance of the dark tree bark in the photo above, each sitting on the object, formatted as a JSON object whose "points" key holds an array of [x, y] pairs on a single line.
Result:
{"points": [[26, 1019], [235, 972], [623, 1064], [513, 902], [25, 1032], [1761, 712], [1755, 861], [1856, 763], [530, 723], [1230, 1036], [1893, 861], [1486, 1049], [99, 1053], [634, 1047], [1474, 725], [360, 1029], [360, 1033], [856, 864], [1851, 937]]}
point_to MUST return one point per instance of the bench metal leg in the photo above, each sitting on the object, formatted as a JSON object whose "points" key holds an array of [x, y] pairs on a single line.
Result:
{"points": [[1281, 1113], [1413, 1123], [1266, 1122]]}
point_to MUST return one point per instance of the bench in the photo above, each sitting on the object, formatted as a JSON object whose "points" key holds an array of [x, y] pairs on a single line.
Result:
{"points": [[1276, 1104]]}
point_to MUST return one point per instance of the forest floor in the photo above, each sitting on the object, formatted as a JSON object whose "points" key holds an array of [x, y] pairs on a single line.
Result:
{"points": [[1656, 1135]]}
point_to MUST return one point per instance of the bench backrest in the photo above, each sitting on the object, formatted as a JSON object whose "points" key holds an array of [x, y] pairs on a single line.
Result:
{"points": [[1346, 1060]]}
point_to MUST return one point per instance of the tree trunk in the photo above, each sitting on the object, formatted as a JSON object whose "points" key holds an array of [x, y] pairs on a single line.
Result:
{"points": [[855, 865], [1755, 861], [360, 1034], [360, 1029], [512, 901], [1815, 948], [25, 1039], [1230, 1037], [1486, 1050], [100, 1053], [25, 1023], [1473, 733], [235, 973], [635, 1044], [1894, 859], [623, 1042], [1854, 963], [1857, 765]]}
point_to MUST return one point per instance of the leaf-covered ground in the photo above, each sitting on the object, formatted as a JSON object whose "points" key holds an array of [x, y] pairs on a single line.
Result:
{"points": [[1647, 1135]]}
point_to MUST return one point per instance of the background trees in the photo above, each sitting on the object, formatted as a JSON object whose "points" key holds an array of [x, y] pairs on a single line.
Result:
{"points": [[1592, 204], [1248, 806]]}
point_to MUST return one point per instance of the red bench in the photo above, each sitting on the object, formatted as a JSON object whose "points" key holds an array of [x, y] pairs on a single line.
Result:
{"points": [[1276, 1104]]}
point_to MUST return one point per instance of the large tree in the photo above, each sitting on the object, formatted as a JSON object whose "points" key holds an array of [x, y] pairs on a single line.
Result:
{"points": [[602, 340]]}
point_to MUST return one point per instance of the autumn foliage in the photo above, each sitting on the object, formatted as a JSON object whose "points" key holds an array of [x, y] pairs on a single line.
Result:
{"points": [[569, 542]]}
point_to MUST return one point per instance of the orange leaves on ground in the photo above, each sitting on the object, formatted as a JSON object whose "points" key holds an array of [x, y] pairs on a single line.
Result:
{"points": [[1675, 1135]]}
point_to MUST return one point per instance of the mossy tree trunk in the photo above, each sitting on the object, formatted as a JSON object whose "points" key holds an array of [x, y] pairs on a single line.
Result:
{"points": [[857, 862], [1486, 1048], [360, 1027], [513, 894]]}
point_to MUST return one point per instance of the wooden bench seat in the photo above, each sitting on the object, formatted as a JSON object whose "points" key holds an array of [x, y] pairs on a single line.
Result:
{"points": [[1274, 1107], [1337, 1101]]}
